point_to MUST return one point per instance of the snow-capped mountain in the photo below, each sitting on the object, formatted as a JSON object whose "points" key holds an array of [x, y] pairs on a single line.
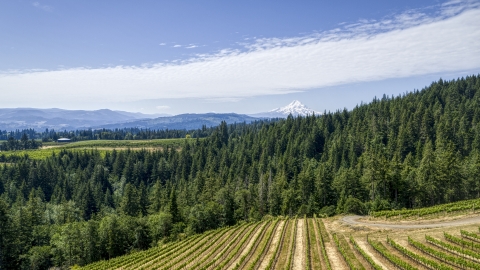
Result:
{"points": [[295, 108]]}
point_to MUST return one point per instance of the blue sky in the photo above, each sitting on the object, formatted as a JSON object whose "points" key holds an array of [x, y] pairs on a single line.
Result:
{"points": [[223, 56]]}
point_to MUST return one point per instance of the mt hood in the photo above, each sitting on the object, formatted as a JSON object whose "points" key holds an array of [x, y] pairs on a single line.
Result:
{"points": [[295, 108]]}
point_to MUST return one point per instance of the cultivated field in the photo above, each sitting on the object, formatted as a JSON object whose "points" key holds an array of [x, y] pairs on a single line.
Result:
{"points": [[100, 145], [319, 243], [120, 144]]}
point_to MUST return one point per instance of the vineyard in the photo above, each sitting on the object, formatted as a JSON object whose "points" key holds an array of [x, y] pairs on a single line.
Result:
{"points": [[122, 143], [296, 243], [101, 145], [306, 243], [435, 211]]}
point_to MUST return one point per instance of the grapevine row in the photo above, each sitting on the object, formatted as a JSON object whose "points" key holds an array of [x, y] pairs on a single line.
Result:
{"points": [[290, 258], [238, 247], [208, 255], [259, 236], [265, 245], [307, 248], [365, 255], [471, 236], [446, 257], [323, 235], [193, 250], [278, 248], [438, 254], [227, 248], [448, 208], [347, 253], [167, 256], [461, 242], [166, 252], [380, 248], [416, 257]]}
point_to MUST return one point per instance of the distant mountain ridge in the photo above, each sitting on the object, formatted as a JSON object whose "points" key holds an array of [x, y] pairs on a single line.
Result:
{"points": [[295, 108], [59, 119], [186, 121]]}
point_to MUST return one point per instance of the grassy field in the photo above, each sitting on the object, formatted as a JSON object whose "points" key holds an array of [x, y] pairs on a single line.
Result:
{"points": [[312, 243], [121, 144], [101, 145]]}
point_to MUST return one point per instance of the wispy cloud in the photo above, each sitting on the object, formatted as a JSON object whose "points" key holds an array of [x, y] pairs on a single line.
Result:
{"points": [[43, 7], [177, 46], [223, 99], [191, 46], [445, 38], [162, 44], [163, 107]]}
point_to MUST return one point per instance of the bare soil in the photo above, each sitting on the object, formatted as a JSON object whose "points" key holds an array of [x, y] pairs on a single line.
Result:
{"points": [[247, 248], [273, 245], [286, 247], [299, 256], [404, 258], [382, 262], [336, 260], [315, 246]]}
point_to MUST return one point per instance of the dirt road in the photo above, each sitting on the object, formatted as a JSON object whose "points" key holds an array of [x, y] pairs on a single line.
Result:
{"points": [[353, 220]]}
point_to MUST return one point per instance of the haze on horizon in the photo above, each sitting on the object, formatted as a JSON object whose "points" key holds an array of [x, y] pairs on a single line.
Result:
{"points": [[243, 57]]}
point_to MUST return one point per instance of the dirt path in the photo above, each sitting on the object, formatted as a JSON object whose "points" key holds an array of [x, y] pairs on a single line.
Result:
{"points": [[353, 220], [286, 245], [336, 260], [273, 245], [316, 252], [378, 259], [299, 256]]}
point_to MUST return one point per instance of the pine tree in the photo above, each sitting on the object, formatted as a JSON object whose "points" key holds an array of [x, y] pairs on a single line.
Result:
{"points": [[130, 204], [173, 207]]}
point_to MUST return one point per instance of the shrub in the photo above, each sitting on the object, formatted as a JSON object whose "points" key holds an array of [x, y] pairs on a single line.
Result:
{"points": [[327, 211], [354, 206]]}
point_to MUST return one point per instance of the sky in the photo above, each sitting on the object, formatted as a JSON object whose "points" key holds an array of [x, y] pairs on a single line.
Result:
{"points": [[172, 57]]}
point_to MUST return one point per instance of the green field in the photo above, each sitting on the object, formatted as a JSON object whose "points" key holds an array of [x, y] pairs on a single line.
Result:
{"points": [[101, 145], [123, 143]]}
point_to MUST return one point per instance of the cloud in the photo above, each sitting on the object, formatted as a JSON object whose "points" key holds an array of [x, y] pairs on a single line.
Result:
{"points": [[43, 7], [162, 44], [223, 99], [177, 46], [191, 46], [418, 42], [163, 107]]}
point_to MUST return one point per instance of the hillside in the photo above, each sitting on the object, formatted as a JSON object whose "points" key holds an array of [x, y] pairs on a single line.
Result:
{"points": [[416, 150], [313, 243]]}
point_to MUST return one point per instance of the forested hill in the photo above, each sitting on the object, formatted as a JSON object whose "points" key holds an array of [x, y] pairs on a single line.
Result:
{"points": [[418, 149]]}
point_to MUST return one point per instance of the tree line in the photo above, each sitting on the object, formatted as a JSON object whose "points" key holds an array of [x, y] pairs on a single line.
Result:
{"points": [[24, 143], [51, 135], [418, 149]]}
